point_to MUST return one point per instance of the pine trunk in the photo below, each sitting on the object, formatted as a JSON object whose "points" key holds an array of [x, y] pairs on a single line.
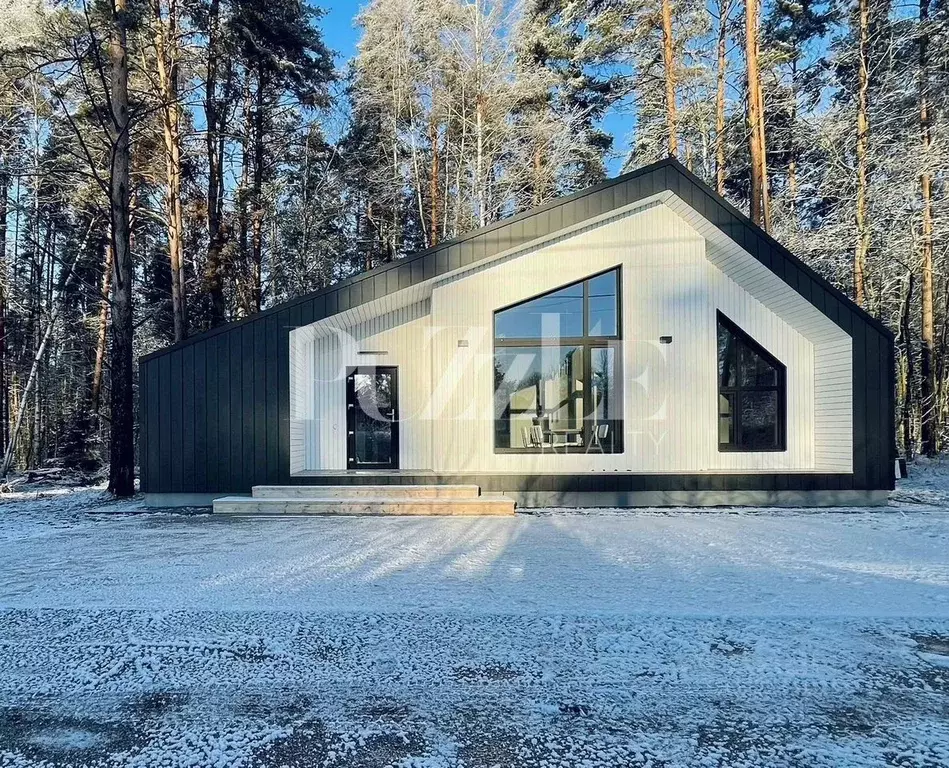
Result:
{"points": [[122, 417], [751, 68], [433, 185], [214, 267], [538, 191], [170, 112], [417, 178], [863, 229], [480, 183], [792, 147], [668, 58], [763, 164], [759, 208], [930, 420], [257, 198], [103, 331], [4, 277], [792, 186], [242, 283], [721, 74], [907, 382]]}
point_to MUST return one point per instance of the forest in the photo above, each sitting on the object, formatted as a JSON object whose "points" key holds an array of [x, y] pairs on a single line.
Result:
{"points": [[170, 165]]}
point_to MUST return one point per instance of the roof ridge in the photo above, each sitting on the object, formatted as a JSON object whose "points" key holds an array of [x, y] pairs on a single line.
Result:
{"points": [[653, 170]]}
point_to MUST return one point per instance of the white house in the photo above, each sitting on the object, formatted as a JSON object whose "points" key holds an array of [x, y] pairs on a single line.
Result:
{"points": [[637, 343]]}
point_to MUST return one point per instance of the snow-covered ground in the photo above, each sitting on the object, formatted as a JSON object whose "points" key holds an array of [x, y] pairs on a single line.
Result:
{"points": [[662, 638]]}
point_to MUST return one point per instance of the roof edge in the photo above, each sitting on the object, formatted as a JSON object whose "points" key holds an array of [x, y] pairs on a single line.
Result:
{"points": [[668, 163], [416, 255], [875, 322]]}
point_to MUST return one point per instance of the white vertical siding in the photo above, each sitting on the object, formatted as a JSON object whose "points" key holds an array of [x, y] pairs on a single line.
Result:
{"points": [[669, 288], [676, 275], [832, 377], [788, 346], [301, 396], [833, 405], [402, 336]]}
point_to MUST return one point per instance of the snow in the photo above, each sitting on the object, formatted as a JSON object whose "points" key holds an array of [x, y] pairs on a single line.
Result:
{"points": [[660, 638]]}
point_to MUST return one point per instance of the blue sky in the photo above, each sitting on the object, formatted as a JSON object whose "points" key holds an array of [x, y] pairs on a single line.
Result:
{"points": [[341, 35], [338, 27]]}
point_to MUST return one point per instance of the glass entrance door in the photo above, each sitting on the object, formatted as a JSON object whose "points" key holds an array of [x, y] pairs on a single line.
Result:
{"points": [[372, 418]]}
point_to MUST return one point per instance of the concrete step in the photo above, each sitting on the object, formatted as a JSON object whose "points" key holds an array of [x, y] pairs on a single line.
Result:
{"points": [[365, 491], [276, 507]]}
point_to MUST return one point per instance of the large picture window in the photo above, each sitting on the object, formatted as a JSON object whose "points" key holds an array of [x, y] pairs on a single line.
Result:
{"points": [[751, 393], [557, 370]]}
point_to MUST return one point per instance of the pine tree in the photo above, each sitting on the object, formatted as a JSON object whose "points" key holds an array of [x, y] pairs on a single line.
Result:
{"points": [[928, 331], [790, 33], [313, 224], [284, 55], [759, 193], [121, 412], [560, 101]]}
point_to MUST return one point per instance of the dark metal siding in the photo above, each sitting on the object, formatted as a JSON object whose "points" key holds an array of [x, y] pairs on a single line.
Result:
{"points": [[214, 410], [598, 481]]}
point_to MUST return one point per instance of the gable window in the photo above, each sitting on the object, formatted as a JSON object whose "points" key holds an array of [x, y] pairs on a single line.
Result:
{"points": [[751, 393], [556, 370]]}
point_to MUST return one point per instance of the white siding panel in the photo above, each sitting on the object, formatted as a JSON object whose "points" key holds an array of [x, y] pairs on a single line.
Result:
{"points": [[678, 271], [414, 295], [402, 335], [832, 376], [670, 397], [301, 390]]}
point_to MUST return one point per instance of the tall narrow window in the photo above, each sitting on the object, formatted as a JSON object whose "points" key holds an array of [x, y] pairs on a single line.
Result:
{"points": [[556, 370], [751, 393]]}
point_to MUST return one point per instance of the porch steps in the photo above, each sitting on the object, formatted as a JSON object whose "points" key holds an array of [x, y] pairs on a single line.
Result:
{"points": [[278, 501], [366, 491]]}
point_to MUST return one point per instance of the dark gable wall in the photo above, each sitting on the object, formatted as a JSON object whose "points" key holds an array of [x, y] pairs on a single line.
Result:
{"points": [[214, 410]]}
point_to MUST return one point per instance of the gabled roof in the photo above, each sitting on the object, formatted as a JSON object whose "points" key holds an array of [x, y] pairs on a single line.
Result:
{"points": [[664, 176]]}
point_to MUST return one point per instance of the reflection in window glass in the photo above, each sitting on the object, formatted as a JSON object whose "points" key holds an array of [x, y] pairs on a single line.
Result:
{"points": [[751, 388], [602, 293], [602, 393], [372, 425], [727, 357], [726, 421], [606, 408], [755, 370], [556, 373], [538, 396], [759, 420], [554, 315]]}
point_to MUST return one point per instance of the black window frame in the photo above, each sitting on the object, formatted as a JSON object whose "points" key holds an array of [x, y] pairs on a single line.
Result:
{"points": [[780, 387], [587, 343]]}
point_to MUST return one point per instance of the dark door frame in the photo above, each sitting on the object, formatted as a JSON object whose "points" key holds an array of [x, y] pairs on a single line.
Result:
{"points": [[352, 405]]}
